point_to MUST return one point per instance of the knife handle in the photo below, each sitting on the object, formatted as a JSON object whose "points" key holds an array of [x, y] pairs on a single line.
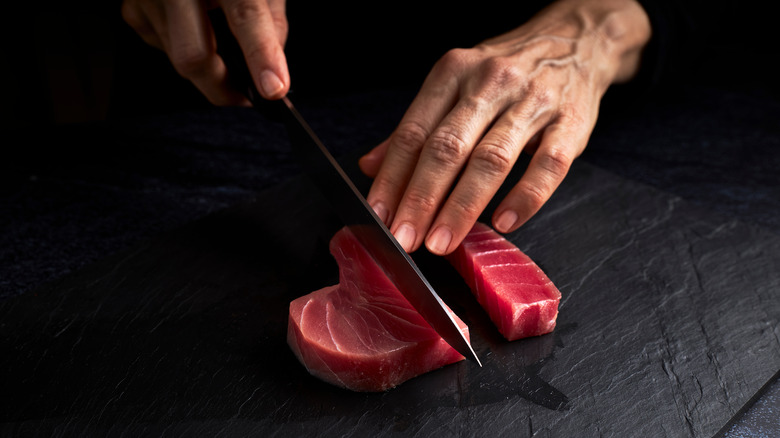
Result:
{"points": [[238, 72]]}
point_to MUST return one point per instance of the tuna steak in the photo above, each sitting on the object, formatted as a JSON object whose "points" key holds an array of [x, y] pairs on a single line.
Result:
{"points": [[517, 295], [362, 334]]}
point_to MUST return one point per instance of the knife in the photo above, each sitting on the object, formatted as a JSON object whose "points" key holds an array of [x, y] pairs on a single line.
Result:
{"points": [[348, 202], [371, 232]]}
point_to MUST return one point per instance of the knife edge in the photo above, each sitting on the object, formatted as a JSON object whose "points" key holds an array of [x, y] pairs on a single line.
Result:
{"points": [[372, 233]]}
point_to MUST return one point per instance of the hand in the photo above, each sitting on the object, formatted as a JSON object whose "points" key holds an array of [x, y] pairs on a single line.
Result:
{"points": [[536, 88], [182, 30]]}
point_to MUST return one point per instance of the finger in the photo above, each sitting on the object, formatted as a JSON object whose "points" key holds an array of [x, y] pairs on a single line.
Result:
{"points": [[441, 160], [561, 142], [372, 161], [436, 97], [138, 17], [255, 23], [279, 14], [192, 51], [487, 168]]}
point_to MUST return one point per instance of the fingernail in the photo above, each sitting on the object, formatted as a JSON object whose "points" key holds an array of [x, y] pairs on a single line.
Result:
{"points": [[440, 240], [406, 235], [381, 211], [506, 221], [270, 83]]}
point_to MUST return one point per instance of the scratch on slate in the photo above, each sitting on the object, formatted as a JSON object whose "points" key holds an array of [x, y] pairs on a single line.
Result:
{"points": [[76, 344], [57, 335], [281, 407], [127, 373], [111, 400], [245, 402], [116, 267], [54, 311], [37, 364]]}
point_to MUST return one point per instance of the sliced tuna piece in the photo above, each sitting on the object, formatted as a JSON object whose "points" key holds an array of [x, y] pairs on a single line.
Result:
{"points": [[362, 334], [517, 295]]}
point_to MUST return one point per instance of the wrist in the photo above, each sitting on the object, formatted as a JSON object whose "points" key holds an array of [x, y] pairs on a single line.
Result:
{"points": [[622, 29], [612, 33], [602, 39]]}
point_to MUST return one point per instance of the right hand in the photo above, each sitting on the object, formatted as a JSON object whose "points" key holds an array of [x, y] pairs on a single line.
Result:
{"points": [[182, 30]]}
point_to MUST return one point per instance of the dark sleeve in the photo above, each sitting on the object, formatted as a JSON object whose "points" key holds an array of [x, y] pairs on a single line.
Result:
{"points": [[702, 41], [693, 42]]}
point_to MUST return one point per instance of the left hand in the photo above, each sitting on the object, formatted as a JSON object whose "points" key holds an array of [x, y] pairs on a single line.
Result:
{"points": [[536, 87]]}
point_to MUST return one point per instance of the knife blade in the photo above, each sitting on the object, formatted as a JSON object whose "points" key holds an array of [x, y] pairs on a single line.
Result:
{"points": [[371, 232], [343, 195]]}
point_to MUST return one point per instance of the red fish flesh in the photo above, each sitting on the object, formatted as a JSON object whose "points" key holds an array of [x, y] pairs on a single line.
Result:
{"points": [[517, 295], [362, 334]]}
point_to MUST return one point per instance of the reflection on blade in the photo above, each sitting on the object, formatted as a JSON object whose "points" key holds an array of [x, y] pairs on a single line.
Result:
{"points": [[371, 232]]}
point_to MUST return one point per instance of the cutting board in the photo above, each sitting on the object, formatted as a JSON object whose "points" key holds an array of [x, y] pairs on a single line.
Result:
{"points": [[668, 325]]}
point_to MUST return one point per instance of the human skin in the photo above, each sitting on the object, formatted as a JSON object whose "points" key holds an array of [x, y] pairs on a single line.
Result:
{"points": [[182, 30], [536, 88]]}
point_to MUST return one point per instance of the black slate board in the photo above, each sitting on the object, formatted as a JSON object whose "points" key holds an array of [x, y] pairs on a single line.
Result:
{"points": [[668, 325]]}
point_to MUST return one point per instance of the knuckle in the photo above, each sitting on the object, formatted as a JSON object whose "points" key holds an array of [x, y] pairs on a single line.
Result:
{"points": [[533, 195], [258, 54], [501, 71], [447, 146], [282, 27], [476, 103], [495, 159], [453, 60], [190, 60], [556, 161], [572, 114], [420, 201], [243, 12], [383, 186], [464, 207], [540, 94], [409, 137]]}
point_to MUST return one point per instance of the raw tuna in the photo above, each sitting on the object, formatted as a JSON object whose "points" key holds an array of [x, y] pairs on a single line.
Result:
{"points": [[517, 295], [362, 334]]}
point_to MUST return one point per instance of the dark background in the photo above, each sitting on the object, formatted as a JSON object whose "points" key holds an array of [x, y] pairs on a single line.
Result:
{"points": [[78, 62], [105, 146]]}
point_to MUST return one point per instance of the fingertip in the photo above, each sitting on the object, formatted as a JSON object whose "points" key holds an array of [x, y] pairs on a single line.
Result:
{"points": [[369, 164], [406, 236], [243, 102], [439, 241], [271, 86], [381, 211], [506, 221], [365, 165]]}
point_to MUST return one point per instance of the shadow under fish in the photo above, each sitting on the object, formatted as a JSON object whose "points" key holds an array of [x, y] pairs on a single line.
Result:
{"points": [[510, 369]]}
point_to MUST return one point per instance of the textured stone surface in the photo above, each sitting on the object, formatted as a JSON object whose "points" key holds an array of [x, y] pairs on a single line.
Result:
{"points": [[668, 325], [669, 319]]}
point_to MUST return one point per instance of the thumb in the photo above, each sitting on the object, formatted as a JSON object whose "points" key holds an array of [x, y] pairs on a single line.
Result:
{"points": [[254, 24], [372, 161]]}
